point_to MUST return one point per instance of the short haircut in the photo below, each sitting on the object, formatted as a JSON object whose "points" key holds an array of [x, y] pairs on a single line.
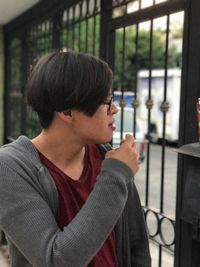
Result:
{"points": [[68, 80]]}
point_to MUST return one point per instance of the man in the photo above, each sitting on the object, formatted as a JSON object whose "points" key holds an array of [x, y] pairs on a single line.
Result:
{"points": [[65, 200]]}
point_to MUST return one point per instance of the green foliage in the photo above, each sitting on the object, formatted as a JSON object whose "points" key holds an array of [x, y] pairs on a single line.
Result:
{"points": [[128, 61], [82, 36]]}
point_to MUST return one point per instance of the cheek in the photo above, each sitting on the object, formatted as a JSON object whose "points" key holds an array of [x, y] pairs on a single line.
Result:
{"points": [[96, 125]]}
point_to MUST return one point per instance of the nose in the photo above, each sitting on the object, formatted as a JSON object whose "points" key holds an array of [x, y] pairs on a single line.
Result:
{"points": [[114, 108]]}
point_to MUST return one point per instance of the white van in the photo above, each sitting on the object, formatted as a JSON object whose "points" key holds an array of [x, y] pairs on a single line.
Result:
{"points": [[157, 95]]}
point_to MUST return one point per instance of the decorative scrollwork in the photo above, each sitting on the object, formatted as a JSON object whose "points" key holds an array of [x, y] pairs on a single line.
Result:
{"points": [[164, 107], [161, 228], [122, 103], [149, 103], [135, 103]]}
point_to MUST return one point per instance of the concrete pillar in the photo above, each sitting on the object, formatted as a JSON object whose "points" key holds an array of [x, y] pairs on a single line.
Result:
{"points": [[1, 84]]}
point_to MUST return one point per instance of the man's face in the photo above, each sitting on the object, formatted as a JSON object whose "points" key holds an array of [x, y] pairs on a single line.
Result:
{"points": [[100, 127]]}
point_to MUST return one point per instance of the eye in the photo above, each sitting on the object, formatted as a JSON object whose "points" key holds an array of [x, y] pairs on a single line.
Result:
{"points": [[109, 103]]}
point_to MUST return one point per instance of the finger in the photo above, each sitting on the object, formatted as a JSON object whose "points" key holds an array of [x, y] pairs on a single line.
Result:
{"points": [[122, 141], [129, 140]]}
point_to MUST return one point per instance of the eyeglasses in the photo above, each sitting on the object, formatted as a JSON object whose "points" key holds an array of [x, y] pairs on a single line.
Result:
{"points": [[109, 103]]}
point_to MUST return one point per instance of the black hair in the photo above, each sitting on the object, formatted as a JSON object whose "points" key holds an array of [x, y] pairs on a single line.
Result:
{"points": [[68, 80]]}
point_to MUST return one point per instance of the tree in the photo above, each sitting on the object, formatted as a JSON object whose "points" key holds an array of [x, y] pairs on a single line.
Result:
{"points": [[128, 61]]}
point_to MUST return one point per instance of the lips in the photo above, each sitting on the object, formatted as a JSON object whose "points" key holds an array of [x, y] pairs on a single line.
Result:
{"points": [[112, 125]]}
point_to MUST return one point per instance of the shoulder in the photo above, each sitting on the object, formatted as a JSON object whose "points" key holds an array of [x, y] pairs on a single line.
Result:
{"points": [[19, 152]]}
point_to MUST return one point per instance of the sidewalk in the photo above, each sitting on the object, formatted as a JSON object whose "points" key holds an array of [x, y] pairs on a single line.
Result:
{"points": [[3, 257]]}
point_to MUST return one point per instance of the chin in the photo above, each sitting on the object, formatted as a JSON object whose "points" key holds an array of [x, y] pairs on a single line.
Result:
{"points": [[107, 140], [101, 139]]}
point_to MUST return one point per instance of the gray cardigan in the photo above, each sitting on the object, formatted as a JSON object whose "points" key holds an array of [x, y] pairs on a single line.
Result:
{"points": [[28, 205]]}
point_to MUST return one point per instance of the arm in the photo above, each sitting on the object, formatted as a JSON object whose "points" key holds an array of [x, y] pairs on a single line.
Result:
{"points": [[29, 223]]}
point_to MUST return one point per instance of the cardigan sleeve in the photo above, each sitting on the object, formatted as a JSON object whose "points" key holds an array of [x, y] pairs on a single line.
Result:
{"points": [[131, 233], [28, 220], [139, 243]]}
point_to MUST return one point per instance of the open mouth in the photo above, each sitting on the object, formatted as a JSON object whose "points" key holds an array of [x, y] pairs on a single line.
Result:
{"points": [[112, 125]]}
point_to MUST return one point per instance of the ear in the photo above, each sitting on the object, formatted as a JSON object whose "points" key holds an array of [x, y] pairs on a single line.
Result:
{"points": [[67, 112], [65, 115]]}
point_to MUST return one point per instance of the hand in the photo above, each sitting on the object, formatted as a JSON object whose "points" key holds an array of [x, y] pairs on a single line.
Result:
{"points": [[127, 153]]}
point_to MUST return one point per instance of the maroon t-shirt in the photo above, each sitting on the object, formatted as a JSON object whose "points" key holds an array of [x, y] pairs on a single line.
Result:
{"points": [[73, 194]]}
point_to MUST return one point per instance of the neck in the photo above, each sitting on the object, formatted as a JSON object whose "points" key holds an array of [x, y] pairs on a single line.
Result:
{"points": [[60, 148]]}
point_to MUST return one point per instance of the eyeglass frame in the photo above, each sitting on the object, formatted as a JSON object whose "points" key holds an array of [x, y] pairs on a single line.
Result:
{"points": [[109, 103]]}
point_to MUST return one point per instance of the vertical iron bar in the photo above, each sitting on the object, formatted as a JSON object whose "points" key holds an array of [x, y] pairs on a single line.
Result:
{"points": [[24, 57], [86, 35], [73, 26], [79, 26], [149, 112], [7, 43], [94, 29], [68, 28], [105, 18], [160, 256], [164, 118], [94, 37], [122, 81], [56, 31], [136, 70]]}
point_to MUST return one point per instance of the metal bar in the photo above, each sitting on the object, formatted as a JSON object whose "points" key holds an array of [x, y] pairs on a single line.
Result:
{"points": [[106, 16], [94, 30], [149, 112], [166, 57], [7, 80], [94, 37], [73, 28], [68, 28], [164, 119], [136, 69], [86, 35], [111, 50], [79, 26], [122, 81], [149, 13], [160, 256], [57, 22], [24, 57]]}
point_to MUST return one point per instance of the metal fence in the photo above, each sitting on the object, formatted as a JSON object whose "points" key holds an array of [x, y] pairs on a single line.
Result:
{"points": [[136, 38]]}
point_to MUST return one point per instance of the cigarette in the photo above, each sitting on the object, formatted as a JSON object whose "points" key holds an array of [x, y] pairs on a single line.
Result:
{"points": [[139, 141], [146, 141]]}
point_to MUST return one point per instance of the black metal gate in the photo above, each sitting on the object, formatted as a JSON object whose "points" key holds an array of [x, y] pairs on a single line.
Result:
{"points": [[147, 61], [142, 41]]}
